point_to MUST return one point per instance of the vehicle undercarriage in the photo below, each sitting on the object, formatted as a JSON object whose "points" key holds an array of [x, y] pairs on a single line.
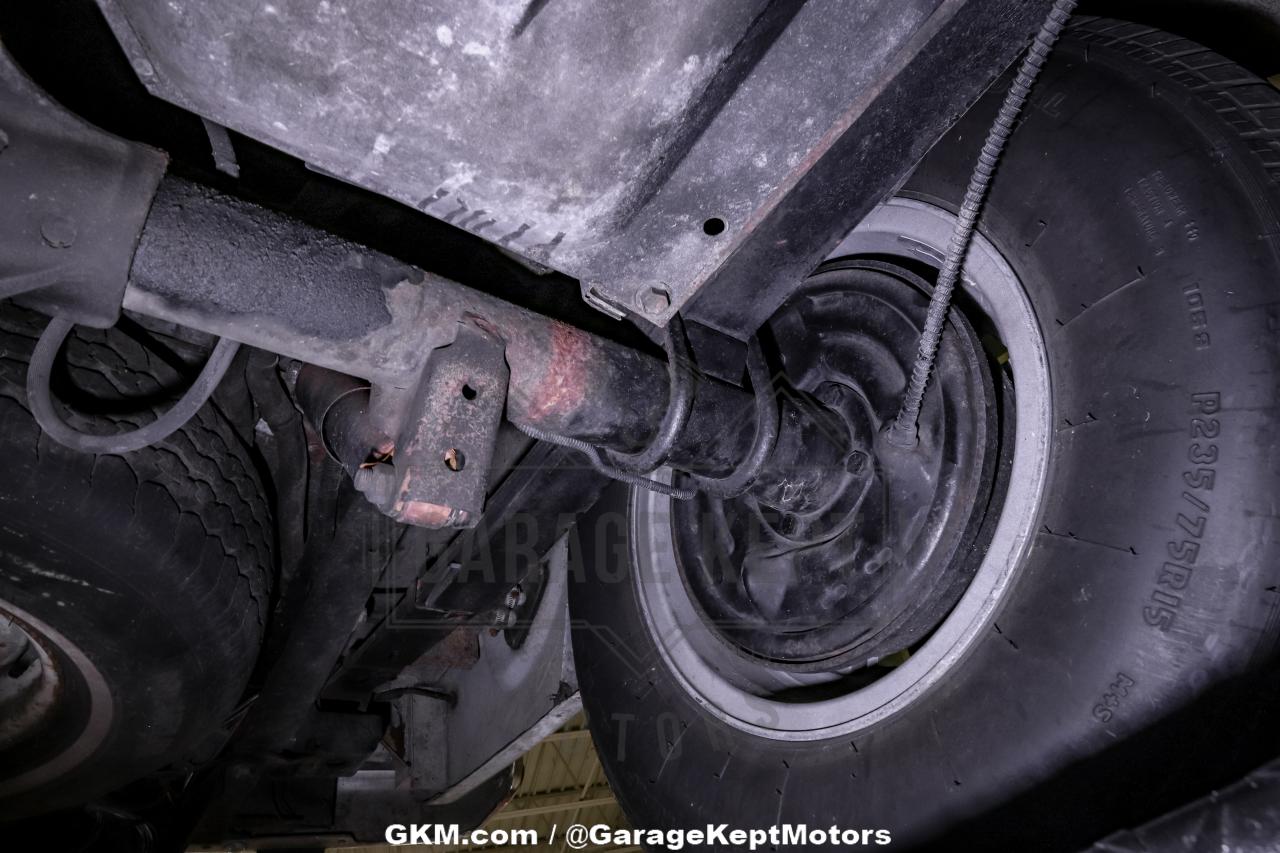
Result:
{"points": [[866, 412]]}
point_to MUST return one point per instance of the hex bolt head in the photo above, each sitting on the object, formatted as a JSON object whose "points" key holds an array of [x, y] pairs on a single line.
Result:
{"points": [[856, 462], [377, 483], [831, 394], [58, 231], [655, 300]]}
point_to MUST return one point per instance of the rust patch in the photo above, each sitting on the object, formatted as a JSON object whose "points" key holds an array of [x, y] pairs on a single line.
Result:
{"points": [[562, 386], [423, 514], [459, 650]]}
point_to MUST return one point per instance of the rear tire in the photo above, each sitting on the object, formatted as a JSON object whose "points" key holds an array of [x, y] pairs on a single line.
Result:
{"points": [[142, 579], [1138, 206]]}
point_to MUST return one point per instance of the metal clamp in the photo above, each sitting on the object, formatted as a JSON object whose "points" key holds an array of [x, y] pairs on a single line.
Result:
{"points": [[768, 425], [679, 403]]}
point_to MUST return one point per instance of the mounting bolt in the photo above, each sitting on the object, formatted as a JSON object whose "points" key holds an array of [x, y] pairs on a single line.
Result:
{"points": [[58, 231], [831, 394], [502, 618], [377, 483], [655, 300], [856, 462], [515, 597]]}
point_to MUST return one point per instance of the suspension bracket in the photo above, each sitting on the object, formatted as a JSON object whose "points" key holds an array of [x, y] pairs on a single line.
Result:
{"points": [[75, 198]]}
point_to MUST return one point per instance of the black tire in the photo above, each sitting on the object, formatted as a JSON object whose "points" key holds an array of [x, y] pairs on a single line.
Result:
{"points": [[156, 565], [1138, 204]]}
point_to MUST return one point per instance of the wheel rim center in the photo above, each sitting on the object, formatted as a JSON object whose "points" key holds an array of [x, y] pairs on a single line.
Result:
{"points": [[882, 564], [28, 683]]}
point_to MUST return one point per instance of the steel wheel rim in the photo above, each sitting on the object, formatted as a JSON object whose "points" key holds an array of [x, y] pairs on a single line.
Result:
{"points": [[69, 663], [914, 230]]}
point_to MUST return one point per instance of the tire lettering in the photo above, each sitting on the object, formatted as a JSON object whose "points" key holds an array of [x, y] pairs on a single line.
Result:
{"points": [[1200, 478], [1195, 528], [1197, 317], [1185, 551], [1160, 611], [1205, 427], [1158, 617], [1109, 703], [1174, 576], [1207, 404], [1203, 454]]}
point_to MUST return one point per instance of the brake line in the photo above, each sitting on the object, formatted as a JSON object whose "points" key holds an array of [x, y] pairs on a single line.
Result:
{"points": [[40, 397], [904, 431], [593, 454]]}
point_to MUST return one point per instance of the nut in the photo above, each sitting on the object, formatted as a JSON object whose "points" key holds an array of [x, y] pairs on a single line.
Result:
{"points": [[655, 300], [377, 483]]}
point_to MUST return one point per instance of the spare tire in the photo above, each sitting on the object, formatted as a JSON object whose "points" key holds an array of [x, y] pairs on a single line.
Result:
{"points": [[1104, 668], [133, 588]]}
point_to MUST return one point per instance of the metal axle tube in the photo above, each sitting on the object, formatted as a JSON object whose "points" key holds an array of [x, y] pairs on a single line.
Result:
{"points": [[234, 269]]}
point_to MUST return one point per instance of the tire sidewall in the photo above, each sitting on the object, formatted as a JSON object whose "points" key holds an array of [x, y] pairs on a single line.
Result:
{"points": [[151, 566], [1134, 230]]}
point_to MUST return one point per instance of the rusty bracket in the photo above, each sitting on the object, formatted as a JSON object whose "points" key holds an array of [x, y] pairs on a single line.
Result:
{"points": [[443, 454]]}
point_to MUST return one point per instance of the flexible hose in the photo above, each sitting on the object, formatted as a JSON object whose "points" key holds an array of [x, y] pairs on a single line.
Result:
{"points": [[40, 398], [903, 433]]}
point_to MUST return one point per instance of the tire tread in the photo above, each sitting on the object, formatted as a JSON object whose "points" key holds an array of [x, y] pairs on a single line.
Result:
{"points": [[203, 468], [1251, 106]]}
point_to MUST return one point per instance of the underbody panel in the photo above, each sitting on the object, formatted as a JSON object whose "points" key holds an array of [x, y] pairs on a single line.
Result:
{"points": [[649, 149]]}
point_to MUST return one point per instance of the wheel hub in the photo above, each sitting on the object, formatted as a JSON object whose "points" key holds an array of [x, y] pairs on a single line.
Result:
{"points": [[873, 571], [28, 683]]}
